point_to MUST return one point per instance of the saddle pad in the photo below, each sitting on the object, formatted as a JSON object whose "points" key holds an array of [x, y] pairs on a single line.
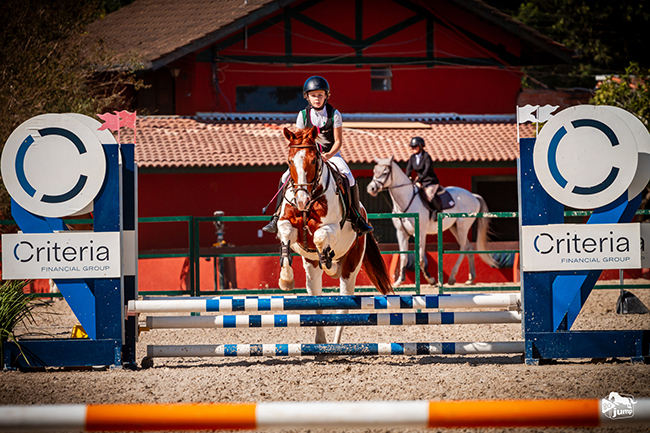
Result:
{"points": [[446, 200]]}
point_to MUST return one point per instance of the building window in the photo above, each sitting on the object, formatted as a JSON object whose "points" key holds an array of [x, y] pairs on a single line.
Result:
{"points": [[381, 78]]}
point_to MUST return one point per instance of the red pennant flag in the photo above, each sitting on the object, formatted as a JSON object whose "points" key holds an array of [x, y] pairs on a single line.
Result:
{"points": [[127, 119], [111, 121]]}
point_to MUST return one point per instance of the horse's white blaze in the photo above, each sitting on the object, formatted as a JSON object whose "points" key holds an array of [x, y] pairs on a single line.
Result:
{"points": [[302, 197]]}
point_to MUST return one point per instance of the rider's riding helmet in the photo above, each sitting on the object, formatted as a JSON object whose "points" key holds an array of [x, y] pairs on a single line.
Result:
{"points": [[315, 83], [417, 141]]}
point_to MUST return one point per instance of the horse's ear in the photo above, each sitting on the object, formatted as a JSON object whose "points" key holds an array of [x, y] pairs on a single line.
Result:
{"points": [[375, 158], [288, 134], [392, 158], [313, 132]]}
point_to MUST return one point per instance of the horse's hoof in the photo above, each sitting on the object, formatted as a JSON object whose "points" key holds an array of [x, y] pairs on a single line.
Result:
{"points": [[451, 282], [325, 258], [287, 285]]}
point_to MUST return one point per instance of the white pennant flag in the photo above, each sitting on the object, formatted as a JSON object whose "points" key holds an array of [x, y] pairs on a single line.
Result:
{"points": [[526, 113], [544, 113]]}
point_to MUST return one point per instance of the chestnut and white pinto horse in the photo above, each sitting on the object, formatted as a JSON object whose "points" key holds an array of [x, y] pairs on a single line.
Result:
{"points": [[388, 176], [313, 224]]}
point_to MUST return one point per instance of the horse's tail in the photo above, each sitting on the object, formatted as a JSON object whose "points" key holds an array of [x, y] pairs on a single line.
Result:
{"points": [[483, 233], [375, 267]]}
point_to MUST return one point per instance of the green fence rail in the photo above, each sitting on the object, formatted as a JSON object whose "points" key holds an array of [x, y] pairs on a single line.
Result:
{"points": [[442, 251], [194, 252], [196, 289]]}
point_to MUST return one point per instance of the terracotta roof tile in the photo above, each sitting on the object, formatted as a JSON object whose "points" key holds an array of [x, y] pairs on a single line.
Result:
{"points": [[151, 29], [175, 142]]}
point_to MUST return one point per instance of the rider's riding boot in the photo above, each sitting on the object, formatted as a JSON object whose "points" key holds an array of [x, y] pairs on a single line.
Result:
{"points": [[358, 222], [272, 226]]}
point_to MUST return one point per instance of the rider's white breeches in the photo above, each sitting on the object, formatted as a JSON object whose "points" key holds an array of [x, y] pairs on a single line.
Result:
{"points": [[339, 162]]}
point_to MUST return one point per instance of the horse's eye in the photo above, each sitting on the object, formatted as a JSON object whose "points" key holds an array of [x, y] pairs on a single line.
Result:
{"points": [[313, 161]]}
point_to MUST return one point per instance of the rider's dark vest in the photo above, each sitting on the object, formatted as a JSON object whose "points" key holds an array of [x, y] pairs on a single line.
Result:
{"points": [[327, 131]]}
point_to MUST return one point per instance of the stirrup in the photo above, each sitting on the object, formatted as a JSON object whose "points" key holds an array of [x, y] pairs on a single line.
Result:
{"points": [[362, 227], [272, 226]]}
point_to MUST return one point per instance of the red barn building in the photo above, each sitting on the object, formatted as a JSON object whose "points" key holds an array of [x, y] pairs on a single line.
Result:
{"points": [[225, 76]]}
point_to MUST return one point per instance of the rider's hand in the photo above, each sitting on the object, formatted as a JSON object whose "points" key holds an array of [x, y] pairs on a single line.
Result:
{"points": [[418, 184]]}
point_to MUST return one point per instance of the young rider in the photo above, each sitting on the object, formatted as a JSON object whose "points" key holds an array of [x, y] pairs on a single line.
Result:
{"points": [[420, 162], [320, 113]]}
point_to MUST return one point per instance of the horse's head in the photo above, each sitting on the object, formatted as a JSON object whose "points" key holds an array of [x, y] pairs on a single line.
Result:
{"points": [[382, 176], [305, 163]]}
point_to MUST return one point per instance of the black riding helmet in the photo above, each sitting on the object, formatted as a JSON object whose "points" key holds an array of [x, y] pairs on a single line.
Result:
{"points": [[315, 83], [417, 141]]}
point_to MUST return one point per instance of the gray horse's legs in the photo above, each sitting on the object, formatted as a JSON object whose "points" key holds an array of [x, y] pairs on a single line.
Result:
{"points": [[465, 245], [403, 242]]}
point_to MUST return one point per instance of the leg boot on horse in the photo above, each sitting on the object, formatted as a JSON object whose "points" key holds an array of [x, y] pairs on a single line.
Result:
{"points": [[358, 222]]}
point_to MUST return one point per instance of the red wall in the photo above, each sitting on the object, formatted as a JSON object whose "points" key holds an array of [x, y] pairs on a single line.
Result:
{"points": [[416, 88], [236, 194]]}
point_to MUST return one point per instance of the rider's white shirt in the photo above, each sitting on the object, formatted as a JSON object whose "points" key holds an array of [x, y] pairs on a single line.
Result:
{"points": [[319, 117]]}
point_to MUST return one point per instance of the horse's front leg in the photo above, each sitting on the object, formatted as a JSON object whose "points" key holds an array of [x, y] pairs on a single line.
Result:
{"points": [[403, 242], [423, 266], [324, 238], [314, 280], [287, 235]]}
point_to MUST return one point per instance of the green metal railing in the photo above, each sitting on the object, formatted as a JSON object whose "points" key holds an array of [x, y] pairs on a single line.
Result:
{"points": [[195, 246]]}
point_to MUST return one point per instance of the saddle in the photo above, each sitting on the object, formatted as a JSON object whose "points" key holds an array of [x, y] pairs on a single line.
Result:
{"points": [[441, 201]]}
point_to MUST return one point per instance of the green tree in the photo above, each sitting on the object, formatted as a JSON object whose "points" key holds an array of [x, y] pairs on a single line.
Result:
{"points": [[49, 66], [606, 36], [630, 91]]}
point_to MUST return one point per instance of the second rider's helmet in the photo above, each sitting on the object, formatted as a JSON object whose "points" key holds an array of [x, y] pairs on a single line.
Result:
{"points": [[417, 141], [315, 83]]}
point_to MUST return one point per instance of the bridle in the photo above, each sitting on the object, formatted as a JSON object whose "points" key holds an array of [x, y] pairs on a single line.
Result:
{"points": [[382, 180], [313, 185]]}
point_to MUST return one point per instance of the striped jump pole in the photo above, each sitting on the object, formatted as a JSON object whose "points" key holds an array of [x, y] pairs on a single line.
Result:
{"points": [[302, 415], [284, 303], [352, 349], [305, 320]]}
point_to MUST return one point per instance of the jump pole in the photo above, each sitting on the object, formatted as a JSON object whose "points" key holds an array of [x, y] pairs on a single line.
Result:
{"points": [[307, 320], [342, 349], [299, 415], [284, 303]]}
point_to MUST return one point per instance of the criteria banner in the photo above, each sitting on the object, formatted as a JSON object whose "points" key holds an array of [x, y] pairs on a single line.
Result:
{"points": [[567, 247], [61, 255]]}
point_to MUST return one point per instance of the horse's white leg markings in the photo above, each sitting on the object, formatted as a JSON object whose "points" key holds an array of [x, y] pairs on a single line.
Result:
{"points": [[287, 235], [314, 280]]}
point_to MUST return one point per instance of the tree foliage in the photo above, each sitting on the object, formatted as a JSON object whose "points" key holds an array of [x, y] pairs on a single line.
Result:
{"points": [[630, 91], [606, 35], [49, 66]]}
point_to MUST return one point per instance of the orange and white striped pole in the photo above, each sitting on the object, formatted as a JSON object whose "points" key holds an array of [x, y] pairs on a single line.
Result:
{"points": [[373, 414]]}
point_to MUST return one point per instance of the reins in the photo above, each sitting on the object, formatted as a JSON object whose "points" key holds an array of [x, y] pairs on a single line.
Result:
{"points": [[304, 186]]}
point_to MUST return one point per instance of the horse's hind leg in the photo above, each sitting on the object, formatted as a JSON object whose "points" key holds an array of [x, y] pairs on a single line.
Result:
{"points": [[314, 283], [454, 270], [346, 289]]}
